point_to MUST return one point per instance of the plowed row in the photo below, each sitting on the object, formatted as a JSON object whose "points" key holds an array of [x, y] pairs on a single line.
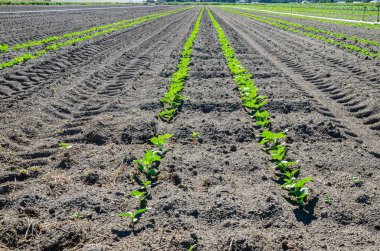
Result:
{"points": [[102, 97]]}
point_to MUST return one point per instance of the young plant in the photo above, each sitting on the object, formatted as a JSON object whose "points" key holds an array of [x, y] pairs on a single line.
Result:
{"points": [[284, 165], [4, 48], [65, 146], [278, 152], [66, 153], [134, 215], [139, 195], [262, 118], [160, 140], [328, 199], [168, 114], [146, 184], [271, 138], [23, 171], [146, 164], [76, 215], [298, 189]]}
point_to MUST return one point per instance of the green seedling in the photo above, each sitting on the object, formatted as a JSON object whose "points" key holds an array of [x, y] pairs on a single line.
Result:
{"points": [[65, 146], [134, 215], [298, 189], [146, 184], [271, 137], [76, 215], [4, 48], [328, 199], [168, 114], [262, 118], [53, 89], [24, 171], [146, 164], [284, 166], [278, 152], [138, 195], [355, 179], [290, 174], [192, 247], [196, 136], [160, 140]]}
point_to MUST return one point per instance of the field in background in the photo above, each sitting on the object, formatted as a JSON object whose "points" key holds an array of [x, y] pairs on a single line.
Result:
{"points": [[364, 12]]}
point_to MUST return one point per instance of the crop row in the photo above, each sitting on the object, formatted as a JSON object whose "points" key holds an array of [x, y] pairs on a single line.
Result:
{"points": [[74, 38], [254, 103], [173, 98], [146, 171], [145, 175], [318, 19], [322, 31], [44, 41], [311, 32]]}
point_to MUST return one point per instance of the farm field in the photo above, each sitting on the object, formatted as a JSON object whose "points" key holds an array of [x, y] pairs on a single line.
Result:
{"points": [[351, 11], [187, 128]]}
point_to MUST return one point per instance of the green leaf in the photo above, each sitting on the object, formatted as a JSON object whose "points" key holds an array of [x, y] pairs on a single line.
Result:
{"points": [[127, 214], [302, 182], [137, 194]]}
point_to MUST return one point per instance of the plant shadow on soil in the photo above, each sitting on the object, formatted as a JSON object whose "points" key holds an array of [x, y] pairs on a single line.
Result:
{"points": [[306, 214], [128, 233]]}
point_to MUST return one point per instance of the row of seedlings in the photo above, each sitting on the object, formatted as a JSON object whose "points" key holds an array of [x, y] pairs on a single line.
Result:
{"points": [[146, 171], [313, 33], [44, 41], [145, 174], [173, 98], [86, 36], [272, 142]]}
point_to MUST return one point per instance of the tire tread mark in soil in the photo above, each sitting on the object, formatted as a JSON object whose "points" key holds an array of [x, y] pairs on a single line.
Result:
{"points": [[265, 49], [367, 107], [86, 54]]}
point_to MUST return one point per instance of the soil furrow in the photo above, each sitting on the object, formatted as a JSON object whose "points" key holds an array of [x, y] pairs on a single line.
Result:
{"points": [[300, 74], [74, 60], [320, 139]]}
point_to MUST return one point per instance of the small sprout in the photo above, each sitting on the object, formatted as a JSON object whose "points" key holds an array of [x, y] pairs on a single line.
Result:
{"points": [[134, 215], [160, 140], [76, 215], [24, 171], [34, 168], [65, 146], [139, 195], [298, 189], [146, 164], [196, 136], [328, 199], [355, 179], [146, 184], [168, 114], [278, 153], [53, 89], [192, 247], [271, 137]]}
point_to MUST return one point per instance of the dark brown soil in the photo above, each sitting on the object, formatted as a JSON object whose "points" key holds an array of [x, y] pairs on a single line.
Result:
{"points": [[372, 34], [217, 193], [13, 28]]}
